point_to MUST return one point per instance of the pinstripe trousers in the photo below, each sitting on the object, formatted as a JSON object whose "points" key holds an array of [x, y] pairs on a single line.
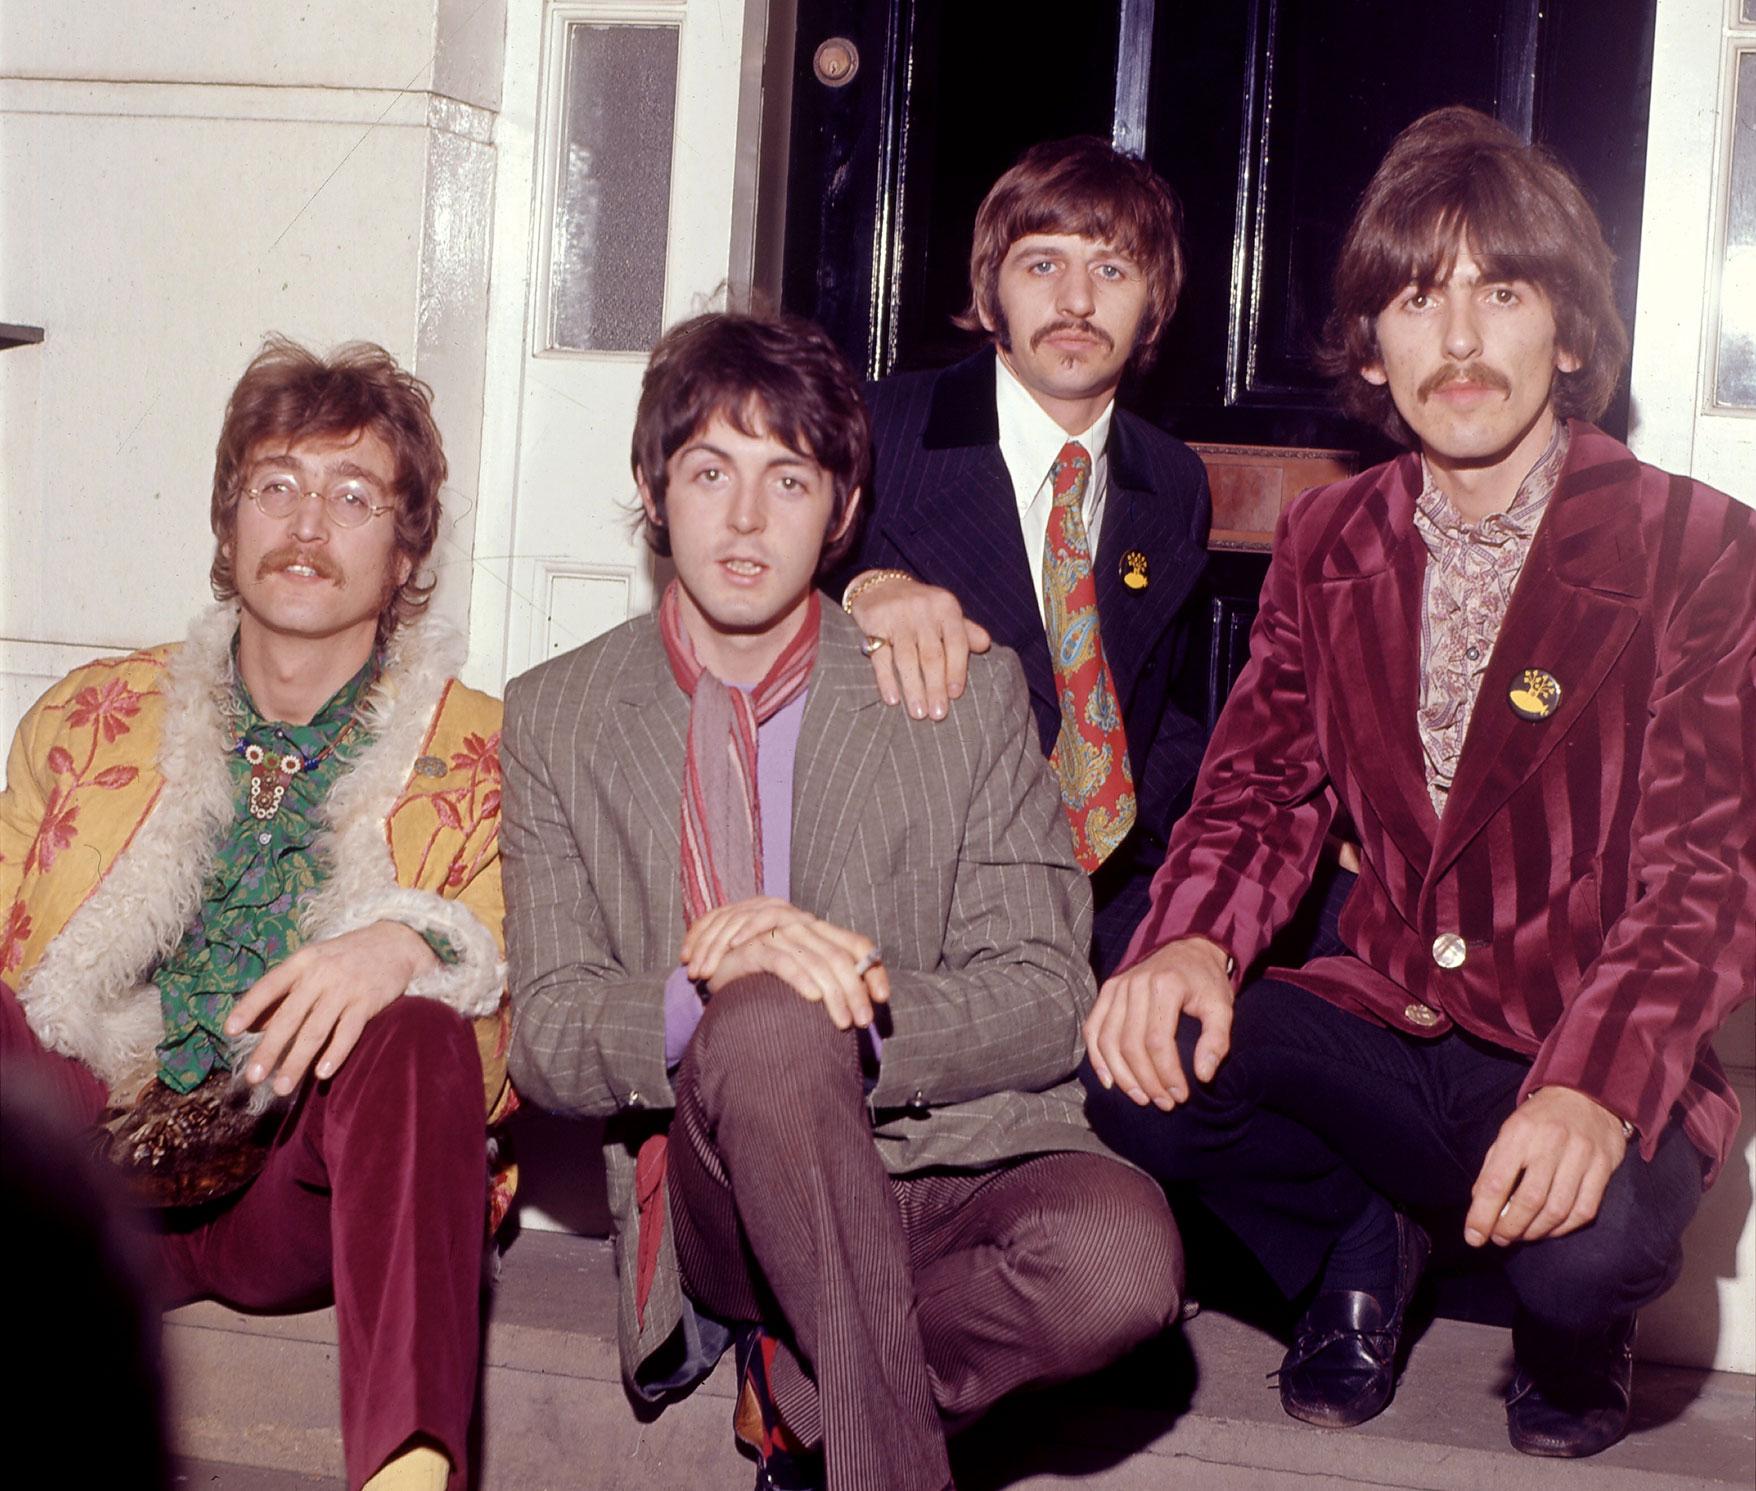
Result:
{"points": [[901, 1302]]}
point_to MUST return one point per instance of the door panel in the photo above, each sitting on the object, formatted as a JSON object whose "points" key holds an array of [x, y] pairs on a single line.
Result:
{"points": [[1268, 117], [620, 143]]}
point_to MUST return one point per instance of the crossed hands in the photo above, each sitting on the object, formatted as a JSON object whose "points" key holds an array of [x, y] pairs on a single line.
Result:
{"points": [[1131, 1032], [925, 661], [824, 963], [322, 998]]}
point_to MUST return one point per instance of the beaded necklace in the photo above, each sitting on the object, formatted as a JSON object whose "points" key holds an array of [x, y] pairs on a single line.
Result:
{"points": [[272, 772]]}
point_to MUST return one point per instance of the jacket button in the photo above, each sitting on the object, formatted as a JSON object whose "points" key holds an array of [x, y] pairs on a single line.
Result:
{"points": [[1417, 1013], [918, 1102], [1449, 950], [634, 1100]]}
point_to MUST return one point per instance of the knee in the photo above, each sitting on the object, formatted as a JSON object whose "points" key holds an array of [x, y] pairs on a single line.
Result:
{"points": [[1124, 1125], [759, 1036], [427, 1044], [1599, 1273], [1157, 1141], [1116, 1263]]}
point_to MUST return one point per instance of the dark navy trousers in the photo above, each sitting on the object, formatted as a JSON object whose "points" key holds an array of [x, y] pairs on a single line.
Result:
{"points": [[1315, 1109]]}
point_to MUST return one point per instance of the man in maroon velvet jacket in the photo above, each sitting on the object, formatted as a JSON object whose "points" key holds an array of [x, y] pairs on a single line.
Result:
{"points": [[1522, 664]]}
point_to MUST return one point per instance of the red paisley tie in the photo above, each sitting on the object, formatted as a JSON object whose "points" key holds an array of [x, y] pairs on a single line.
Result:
{"points": [[1091, 753]]}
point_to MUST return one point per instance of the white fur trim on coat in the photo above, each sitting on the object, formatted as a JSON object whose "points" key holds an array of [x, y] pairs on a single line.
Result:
{"points": [[362, 887], [87, 996]]}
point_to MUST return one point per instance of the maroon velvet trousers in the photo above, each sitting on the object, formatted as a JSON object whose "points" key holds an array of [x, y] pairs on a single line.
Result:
{"points": [[375, 1197], [901, 1303]]}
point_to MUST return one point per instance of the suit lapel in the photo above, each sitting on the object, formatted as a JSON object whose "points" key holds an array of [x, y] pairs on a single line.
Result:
{"points": [[1137, 520], [1572, 613], [1366, 617], [649, 727], [955, 519], [846, 731]]}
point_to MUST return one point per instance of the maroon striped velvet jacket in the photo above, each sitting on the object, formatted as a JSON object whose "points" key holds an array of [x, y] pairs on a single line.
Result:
{"points": [[1599, 865]]}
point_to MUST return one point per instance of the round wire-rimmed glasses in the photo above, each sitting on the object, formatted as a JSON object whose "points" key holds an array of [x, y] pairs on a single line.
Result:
{"points": [[348, 503]]}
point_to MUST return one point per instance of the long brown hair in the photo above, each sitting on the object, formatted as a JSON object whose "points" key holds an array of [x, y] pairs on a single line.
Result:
{"points": [[1455, 174], [289, 393]]}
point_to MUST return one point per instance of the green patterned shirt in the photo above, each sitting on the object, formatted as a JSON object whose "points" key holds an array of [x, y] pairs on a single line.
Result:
{"points": [[248, 920]]}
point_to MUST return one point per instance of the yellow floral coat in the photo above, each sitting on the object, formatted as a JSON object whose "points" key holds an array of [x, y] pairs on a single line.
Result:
{"points": [[117, 788]]}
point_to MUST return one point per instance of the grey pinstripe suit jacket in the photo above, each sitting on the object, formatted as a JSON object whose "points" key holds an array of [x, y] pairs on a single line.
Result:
{"points": [[943, 841]]}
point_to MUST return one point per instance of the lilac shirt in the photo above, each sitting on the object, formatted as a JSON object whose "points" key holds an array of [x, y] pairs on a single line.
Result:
{"points": [[777, 746]]}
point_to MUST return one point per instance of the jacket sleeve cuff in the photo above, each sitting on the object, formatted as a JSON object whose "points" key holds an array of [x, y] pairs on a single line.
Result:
{"points": [[473, 983], [1611, 1091], [1241, 942]]}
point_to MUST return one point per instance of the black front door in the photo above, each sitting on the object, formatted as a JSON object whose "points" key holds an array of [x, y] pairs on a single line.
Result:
{"points": [[1267, 116]]}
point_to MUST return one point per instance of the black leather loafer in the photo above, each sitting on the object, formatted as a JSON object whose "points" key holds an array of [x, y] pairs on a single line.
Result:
{"points": [[780, 1471], [1571, 1394], [1341, 1369]]}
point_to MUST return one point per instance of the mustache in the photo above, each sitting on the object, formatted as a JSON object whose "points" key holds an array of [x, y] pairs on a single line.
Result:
{"points": [[1478, 373], [1083, 327], [287, 555]]}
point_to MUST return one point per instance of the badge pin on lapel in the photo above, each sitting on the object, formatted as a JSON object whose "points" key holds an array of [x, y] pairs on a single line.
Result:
{"points": [[1133, 568], [1536, 695]]}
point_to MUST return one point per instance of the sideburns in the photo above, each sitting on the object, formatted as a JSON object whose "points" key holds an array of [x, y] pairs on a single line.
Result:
{"points": [[1002, 332]]}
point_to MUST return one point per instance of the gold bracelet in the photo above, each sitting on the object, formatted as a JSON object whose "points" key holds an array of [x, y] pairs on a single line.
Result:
{"points": [[866, 581]]}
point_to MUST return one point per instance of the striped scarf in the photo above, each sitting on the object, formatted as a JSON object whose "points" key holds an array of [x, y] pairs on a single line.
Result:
{"points": [[722, 833], [722, 822]]}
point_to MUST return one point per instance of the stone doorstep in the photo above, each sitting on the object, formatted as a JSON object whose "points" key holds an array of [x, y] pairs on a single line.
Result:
{"points": [[260, 1391]]}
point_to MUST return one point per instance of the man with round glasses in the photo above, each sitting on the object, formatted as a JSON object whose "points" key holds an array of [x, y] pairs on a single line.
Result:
{"points": [[250, 906], [349, 501]]}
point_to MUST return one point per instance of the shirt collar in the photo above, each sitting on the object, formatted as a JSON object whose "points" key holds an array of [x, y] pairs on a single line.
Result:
{"points": [[1030, 439], [1436, 515]]}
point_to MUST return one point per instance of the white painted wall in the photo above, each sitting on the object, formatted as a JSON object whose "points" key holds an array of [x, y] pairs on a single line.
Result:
{"points": [[1711, 1315], [170, 191]]}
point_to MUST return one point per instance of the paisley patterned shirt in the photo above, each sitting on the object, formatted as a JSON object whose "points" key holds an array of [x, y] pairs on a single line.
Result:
{"points": [[248, 920], [1471, 571]]}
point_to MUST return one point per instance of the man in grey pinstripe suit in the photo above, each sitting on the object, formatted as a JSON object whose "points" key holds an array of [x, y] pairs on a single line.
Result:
{"points": [[712, 827]]}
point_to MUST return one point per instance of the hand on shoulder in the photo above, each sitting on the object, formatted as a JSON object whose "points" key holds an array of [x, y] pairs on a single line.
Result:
{"points": [[923, 639]]}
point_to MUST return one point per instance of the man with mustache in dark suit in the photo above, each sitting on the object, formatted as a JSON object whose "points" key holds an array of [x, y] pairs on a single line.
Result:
{"points": [[1011, 489]]}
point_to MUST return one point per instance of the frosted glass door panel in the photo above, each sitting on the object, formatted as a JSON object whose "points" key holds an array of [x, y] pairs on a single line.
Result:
{"points": [[1735, 380], [613, 188]]}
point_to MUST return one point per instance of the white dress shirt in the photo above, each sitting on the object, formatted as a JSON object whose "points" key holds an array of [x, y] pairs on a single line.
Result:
{"points": [[1029, 442]]}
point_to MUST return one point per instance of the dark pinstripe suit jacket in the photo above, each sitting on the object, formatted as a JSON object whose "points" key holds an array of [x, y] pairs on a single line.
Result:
{"points": [[944, 842], [942, 507], [1600, 864]]}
